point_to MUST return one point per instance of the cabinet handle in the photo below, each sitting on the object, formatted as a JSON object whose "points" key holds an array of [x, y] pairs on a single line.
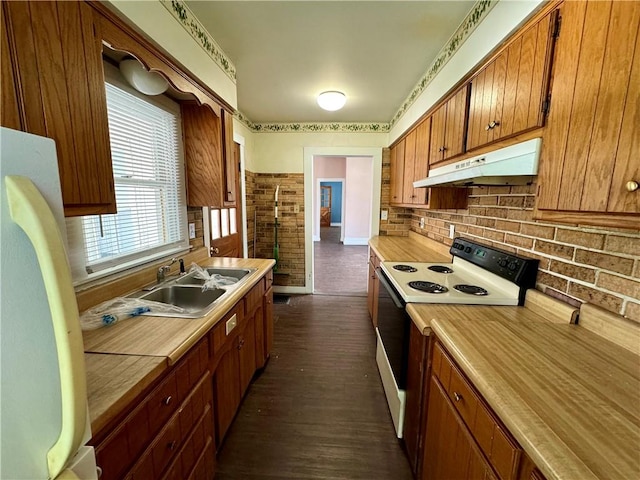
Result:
{"points": [[492, 125], [457, 396], [172, 445], [632, 186], [167, 400]]}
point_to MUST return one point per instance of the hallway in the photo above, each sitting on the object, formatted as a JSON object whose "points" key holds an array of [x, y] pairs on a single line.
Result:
{"points": [[318, 410], [339, 269]]}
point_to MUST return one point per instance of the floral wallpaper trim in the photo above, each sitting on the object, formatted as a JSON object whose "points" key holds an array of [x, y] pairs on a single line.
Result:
{"points": [[469, 24], [302, 127], [194, 28]]}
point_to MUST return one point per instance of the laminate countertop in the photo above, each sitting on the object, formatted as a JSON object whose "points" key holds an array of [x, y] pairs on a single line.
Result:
{"points": [[414, 248], [570, 397], [125, 358]]}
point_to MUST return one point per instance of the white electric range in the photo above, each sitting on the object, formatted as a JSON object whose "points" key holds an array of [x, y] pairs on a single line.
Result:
{"points": [[477, 275]]}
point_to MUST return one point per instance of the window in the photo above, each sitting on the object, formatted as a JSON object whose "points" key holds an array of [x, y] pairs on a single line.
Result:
{"points": [[146, 150]]}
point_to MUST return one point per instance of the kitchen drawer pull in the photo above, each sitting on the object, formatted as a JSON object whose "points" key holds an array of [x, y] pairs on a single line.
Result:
{"points": [[457, 396], [167, 400]]}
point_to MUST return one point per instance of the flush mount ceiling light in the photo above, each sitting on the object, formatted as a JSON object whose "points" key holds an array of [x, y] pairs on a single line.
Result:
{"points": [[332, 100], [144, 81]]}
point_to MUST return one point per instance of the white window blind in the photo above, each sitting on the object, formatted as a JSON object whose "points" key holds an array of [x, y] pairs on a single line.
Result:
{"points": [[149, 183]]}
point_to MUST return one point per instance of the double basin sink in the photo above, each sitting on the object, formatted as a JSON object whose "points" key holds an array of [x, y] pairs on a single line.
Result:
{"points": [[186, 292]]}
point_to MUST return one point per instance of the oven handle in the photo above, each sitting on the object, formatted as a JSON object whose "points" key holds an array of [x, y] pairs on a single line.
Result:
{"points": [[390, 290]]}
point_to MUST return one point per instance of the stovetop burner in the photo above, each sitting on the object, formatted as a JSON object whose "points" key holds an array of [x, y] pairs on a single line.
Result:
{"points": [[471, 290], [405, 268], [440, 269], [428, 287]]}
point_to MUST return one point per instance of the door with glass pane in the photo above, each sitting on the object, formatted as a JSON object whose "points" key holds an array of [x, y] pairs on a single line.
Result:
{"points": [[226, 224], [325, 206]]}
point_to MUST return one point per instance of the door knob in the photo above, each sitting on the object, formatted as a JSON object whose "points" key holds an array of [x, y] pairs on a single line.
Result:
{"points": [[632, 186], [214, 251]]}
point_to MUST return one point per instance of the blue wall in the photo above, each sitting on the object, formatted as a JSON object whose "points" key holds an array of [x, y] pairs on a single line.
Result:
{"points": [[336, 200]]}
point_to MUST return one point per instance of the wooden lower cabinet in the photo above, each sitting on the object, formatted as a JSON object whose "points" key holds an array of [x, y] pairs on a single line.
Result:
{"points": [[414, 396], [173, 432], [462, 437], [151, 435]]}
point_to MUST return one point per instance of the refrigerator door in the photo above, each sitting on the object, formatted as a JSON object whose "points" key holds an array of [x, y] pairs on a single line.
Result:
{"points": [[43, 398]]}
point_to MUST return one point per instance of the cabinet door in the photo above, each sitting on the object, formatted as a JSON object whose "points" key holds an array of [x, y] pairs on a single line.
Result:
{"points": [[437, 143], [421, 161], [456, 123], [408, 195], [247, 350], [226, 390], [397, 173], [57, 53], [413, 408], [508, 95], [10, 106], [231, 161], [449, 450], [203, 155], [591, 143]]}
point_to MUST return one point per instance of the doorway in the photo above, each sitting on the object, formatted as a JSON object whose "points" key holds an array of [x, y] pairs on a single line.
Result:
{"points": [[339, 243]]}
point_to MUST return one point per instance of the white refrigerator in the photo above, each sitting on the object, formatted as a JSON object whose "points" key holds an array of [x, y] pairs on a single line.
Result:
{"points": [[44, 422]]}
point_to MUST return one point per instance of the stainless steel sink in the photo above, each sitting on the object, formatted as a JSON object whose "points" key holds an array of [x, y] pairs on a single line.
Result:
{"points": [[237, 273], [192, 298]]}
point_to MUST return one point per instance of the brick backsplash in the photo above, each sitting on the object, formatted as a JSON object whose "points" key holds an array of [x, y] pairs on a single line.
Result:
{"points": [[577, 263], [260, 202], [194, 215]]}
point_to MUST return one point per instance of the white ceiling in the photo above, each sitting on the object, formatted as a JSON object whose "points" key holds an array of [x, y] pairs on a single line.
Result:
{"points": [[287, 52]]}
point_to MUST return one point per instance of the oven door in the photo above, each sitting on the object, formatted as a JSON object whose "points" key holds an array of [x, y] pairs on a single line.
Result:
{"points": [[392, 353]]}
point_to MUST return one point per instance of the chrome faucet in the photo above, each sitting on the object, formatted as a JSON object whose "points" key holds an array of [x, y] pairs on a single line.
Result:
{"points": [[164, 269]]}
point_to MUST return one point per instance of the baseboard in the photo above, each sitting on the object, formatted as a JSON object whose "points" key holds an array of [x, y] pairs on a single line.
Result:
{"points": [[356, 240], [336, 224], [288, 289], [316, 238]]}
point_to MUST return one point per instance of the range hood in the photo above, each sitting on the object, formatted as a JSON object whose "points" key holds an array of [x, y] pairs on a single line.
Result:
{"points": [[513, 165]]}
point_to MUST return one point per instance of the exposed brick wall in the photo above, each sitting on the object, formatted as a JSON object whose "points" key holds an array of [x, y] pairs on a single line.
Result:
{"points": [[194, 215], [260, 198], [577, 263], [250, 182]]}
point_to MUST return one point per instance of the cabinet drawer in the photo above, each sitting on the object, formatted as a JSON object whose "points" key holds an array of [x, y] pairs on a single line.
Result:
{"points": [[502, 451]]}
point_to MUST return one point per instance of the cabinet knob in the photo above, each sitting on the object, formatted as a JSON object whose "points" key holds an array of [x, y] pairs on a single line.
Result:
{"points": [[172, 445], [457, 396], [632, 186], [167, 400]]}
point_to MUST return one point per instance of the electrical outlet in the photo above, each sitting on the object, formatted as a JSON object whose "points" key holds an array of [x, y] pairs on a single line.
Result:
{"points": [[384, 214], [231, 324], [192, 230], [421, 222], [296, 208], [452, 231]]}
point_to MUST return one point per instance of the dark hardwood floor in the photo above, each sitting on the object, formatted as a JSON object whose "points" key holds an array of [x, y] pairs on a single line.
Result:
{"points": [[318, 410], [339, 269]]}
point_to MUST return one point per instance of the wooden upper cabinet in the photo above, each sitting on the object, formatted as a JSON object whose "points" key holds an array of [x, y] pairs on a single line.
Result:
{"points": [[508, 96], [55, 58], [397, 173], [231, 161], [202, 131], [408, 195], [448, 127], [591, 149]]}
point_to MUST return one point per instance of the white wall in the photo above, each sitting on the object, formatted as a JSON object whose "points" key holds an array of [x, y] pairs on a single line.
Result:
{"points": [[358, 200], [284, 152], [156, 21], [504, 18]]}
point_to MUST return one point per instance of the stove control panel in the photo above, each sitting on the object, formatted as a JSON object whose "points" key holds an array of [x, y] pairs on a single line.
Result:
{"points": [[520, 270]]}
